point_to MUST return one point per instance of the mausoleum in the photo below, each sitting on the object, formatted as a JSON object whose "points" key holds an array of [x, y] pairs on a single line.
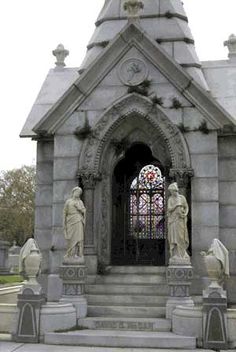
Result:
{"points": [[139, 113]]}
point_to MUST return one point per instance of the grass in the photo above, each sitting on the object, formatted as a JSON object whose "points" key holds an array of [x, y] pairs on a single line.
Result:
{"points": [[10, 279]]}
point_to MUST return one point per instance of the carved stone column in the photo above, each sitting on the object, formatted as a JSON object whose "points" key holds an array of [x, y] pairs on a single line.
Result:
{"points": [[89, 181], [182, 177]]}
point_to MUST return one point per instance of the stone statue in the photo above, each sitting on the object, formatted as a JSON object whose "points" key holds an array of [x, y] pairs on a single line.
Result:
{"points": [[177, 211], [217, 262], [30, 259], [74, 216]]}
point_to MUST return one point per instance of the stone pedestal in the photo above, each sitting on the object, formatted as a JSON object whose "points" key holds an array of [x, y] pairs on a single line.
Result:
{"points": [[28, 327], [179, 277], [215, 318], [73, 277]]}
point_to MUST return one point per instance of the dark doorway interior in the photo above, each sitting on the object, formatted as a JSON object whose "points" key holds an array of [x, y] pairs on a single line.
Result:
{"points": [[138, 214]]}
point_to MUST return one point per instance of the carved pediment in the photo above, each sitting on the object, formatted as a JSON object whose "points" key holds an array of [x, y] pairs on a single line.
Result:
{"points": [[133, 36]]}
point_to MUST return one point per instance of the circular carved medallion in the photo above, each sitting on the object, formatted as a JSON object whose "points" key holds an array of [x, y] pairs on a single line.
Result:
{"points": [[133, 72]]}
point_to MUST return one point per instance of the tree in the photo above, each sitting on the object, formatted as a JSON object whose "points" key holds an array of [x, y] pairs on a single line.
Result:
{"points": [[17, 193]]}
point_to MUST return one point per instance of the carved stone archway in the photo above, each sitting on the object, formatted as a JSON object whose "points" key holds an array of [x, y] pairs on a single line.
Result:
{"points": [[133, 119]]}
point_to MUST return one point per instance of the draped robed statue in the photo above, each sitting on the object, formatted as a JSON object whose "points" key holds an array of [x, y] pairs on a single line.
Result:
{"points": [[177, 212], [74, 217]]}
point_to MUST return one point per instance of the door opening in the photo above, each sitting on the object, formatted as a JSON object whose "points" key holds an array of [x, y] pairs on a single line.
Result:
{"points": [[138, 213]]}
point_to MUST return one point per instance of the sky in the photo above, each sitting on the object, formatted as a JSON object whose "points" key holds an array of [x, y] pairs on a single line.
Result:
{"points": [[31, 29]]}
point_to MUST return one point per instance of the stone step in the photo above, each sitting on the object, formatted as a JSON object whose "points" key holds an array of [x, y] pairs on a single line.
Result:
{"points": [[127, 324], [8, 294], [156, 270], [160, 289], [116, 338], [125, 299], [126, 311], [131, 279]]}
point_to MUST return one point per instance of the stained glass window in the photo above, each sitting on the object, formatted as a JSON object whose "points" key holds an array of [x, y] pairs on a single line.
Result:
{"points": [[147, 204]]}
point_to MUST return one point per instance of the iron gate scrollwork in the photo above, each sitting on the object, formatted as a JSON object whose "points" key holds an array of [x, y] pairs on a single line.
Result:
{"points": [[146, 205], [147, 214]]}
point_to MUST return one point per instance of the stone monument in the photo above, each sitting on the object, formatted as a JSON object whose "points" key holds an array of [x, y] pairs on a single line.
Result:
{"points": [[73, 270], [31, 298], [4, 267], [13, 258], [179, 272], [214, 297]]}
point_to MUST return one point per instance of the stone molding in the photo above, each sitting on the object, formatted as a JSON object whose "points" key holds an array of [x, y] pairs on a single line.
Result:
{"points": [[88, 179], [104, 230], [73, 277], [143, 108]]}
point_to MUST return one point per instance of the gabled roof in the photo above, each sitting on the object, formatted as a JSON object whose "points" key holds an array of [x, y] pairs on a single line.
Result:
{"points": [[132, 35], [55, 85]]}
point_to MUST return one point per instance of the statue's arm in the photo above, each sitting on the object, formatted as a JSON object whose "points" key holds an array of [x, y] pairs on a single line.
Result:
{"points": [[65, 214], [171, 207], [186, 206], [81, 208]]}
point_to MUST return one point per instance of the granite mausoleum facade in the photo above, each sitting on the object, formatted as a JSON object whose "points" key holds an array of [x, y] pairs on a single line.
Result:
{"points": [[141, 97]]}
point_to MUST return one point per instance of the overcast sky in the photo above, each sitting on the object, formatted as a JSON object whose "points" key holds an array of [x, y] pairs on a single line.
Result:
{"points": [[31, 29]]}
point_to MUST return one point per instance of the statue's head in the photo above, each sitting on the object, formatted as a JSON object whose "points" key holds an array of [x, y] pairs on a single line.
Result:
{"points": [[173, 188], [76, 192]]}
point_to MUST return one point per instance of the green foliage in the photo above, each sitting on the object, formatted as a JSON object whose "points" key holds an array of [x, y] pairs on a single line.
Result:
{"points": [[183, 128], [157, 100], [142, 88], [10, 279], [168, 14], [176, 104], [17, 192], [74, 328], [204, 128]]}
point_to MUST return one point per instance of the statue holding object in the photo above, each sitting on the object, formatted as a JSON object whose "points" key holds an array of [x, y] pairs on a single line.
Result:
{"points": [[177, 212], [74, 217]]}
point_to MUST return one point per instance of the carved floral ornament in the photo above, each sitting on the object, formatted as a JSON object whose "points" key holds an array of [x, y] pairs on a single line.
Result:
{"points": [[133, 72], [133, 7], [182, 176], [142, 108], [89, 179]]}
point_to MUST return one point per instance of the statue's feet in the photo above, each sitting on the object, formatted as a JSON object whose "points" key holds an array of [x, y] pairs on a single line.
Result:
{"points": [[178, 260], [73, 259]]}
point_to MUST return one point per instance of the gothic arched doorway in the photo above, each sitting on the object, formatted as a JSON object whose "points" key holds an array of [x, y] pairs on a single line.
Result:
{"points": [[138, 209]]}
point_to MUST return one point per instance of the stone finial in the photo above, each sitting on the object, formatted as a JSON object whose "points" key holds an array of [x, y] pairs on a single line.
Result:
{"points": [[133, 7], [61, 53], [231, 44]]}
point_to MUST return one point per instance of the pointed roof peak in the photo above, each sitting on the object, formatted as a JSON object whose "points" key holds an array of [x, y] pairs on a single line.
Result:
{"points": [[164, 21], [114, 9]]}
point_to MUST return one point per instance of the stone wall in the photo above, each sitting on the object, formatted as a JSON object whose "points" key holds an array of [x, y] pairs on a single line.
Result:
{"points": [[204, 198], [227, 191], [43, 205]]}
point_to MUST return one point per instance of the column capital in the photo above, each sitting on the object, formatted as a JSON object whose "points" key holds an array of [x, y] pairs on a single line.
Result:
{"points": [[181, 176], [88, 179]]}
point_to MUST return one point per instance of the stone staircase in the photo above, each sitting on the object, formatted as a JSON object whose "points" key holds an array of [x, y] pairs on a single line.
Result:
{"points": [[128, 292], [126, 308]]}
